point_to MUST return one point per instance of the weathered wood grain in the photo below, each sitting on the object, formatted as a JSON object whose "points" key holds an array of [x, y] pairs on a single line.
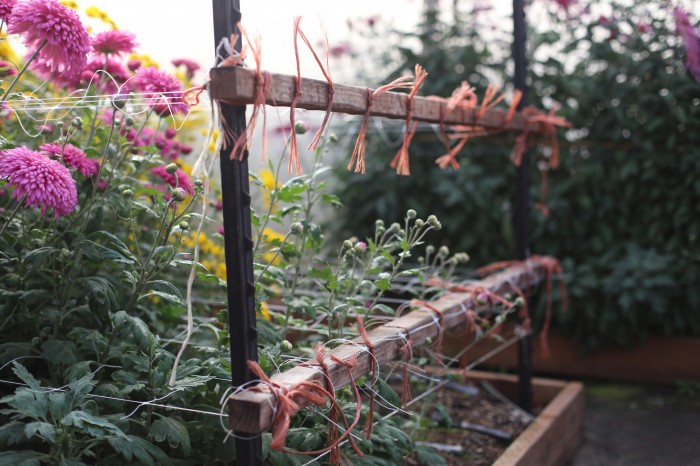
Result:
{"points": [[236, 85], [252, 411]]}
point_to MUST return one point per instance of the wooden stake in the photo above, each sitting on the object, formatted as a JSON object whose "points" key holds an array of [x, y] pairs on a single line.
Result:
{"points": [[236, 85], [253, 410]]}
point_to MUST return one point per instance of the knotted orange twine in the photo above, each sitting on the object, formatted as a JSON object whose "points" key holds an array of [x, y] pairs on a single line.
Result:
{"points": [[326, 73], [367, 431], [262, 89], [400, 160], [287, 407], [358, 152]]}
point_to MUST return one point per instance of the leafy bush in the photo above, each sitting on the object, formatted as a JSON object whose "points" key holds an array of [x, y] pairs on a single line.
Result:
{"points": [[622, 204]]}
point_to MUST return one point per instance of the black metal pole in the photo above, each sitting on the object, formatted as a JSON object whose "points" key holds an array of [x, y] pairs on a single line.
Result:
{"points": [[235, 193], [522, 201]]}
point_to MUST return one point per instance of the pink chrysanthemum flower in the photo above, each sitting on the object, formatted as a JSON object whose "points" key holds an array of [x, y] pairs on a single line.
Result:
{"points": [[6, 7], [118, 75], [691, 40], [72, 157], [8, 69], [163, 90], [191, 66], [183, 179], [42, 182], [57, 29], [114, 42]]}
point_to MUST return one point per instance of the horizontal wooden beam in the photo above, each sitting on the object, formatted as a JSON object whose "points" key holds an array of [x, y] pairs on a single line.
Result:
{"points": [[237, 85], [252, 411]]}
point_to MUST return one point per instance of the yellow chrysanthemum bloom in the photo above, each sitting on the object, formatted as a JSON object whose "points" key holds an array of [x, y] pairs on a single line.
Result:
{"points": [[265, 311], [269, 181], [145, 60], [268, 236], [70, 4], [6, 51], [221, 270], [94, 12]]}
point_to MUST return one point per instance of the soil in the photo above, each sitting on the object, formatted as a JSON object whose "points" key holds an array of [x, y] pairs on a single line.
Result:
{"points": [[451, 407]]}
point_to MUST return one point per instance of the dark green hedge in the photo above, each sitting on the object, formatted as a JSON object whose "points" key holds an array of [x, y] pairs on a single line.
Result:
{"points": [[625, 202]]}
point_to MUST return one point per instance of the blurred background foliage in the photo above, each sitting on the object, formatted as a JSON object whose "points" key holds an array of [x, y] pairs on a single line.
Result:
{"points": [[623, 205]]}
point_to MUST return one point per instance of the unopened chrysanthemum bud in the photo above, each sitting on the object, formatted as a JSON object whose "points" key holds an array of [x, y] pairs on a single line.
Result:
{"points": [[119, 101], [462, 257], [286, 345], [300, 127], [59, 124], [127, 193], [434, 222], [184, 226], [444, 251], [394, 227], [171, 168], [296, 228], [198, 183], [179, 194], [77, 123], [333, 138], [360, 247], [420, 223], [519, 301], [411, 214], [384, 276], [128, 121], [379, 223], [430, 249]]}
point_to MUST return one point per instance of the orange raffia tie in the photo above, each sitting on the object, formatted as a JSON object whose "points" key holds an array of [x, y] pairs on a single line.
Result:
{"points": [[407, 354], [400, 160], [358, 152], [552, 267], [234, 60], [517, 97], [191, 96], [287, 407], [367, 431], [333, 437], [488, 102], [262, 89], [326, 73], [464, 97], [293, 151]]}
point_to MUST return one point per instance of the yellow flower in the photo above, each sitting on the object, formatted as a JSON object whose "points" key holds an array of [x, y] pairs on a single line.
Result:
{"points": [[221, 270], [94, 12], [269, 181], [6, 51], [265, 311], [145, 60], [70, 4]]}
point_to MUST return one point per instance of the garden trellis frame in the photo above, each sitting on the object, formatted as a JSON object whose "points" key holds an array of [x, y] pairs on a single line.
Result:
{"points": [[234, 88]]}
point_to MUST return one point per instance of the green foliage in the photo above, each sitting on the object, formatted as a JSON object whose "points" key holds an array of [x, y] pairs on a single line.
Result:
{"points": [[622, 203]]}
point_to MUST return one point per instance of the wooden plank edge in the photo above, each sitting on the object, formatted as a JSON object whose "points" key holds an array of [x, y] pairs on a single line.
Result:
{"points": [[252, 411], [554, 436], [237, 85]]}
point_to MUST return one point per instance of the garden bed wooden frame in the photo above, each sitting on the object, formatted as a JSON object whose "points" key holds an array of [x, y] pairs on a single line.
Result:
{"points": [[555, 434]]}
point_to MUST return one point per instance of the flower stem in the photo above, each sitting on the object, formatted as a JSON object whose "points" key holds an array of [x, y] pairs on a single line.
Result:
{"points": [[12, 215], [21, 72]]}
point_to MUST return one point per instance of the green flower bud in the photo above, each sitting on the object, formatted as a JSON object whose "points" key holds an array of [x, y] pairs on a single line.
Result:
{"points": [[411, 214], [444, 251], [300, 127], [333, 138], [420, 223], [128, 121], [59, 124], [119, 101], [434, 222], [296, 228], [430, 249], [171, 168], [77, 123], [286, 345], [128, 194], [179, 194], [379, 223], [347, 244], [360, 247], [184, 226], [394, 227], [198, 183]]}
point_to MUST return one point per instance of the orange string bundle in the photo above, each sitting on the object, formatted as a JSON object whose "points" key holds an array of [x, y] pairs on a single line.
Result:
{"points": [[464, 97], [358, 152], [262, 89], [437, 346], [293, 151], [326, 73], [552, 267], [400, 160], [287, 407]]}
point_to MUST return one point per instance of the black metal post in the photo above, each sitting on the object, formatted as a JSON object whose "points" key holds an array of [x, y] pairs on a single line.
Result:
{"points": [[235, 192], [522, 200]]}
